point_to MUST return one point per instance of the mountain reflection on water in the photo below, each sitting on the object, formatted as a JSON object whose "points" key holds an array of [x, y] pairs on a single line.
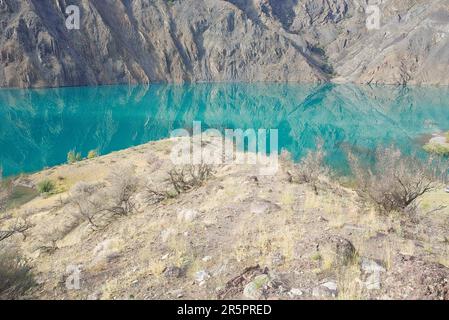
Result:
{"points": [[39, 127]]}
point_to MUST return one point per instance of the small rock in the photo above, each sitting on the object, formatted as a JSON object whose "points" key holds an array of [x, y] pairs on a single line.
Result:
{"points": [[187, 215], [178, 293], [167, 233], [294, 292], [321, 219], [201, 277], [326, 290], [278, 259], [219, 289], [165, 256], [261, 206], [370, 266], [332, 286], [254, 289], [254, 178], [207, 258], [173, 272], [94, 296]]}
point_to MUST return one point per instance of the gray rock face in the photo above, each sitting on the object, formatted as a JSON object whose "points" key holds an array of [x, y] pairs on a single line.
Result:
{"points": [[143, 41]]}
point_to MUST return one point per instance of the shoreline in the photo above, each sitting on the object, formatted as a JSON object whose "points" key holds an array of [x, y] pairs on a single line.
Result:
{"points": [[317, 84]]}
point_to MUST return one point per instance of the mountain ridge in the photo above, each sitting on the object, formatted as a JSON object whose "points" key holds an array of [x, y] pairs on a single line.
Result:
{"points": [[145, 41]]}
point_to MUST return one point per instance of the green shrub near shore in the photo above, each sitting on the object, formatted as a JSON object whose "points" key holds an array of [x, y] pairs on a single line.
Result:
{"points": [[437, 148], [45, 186], [73, 157], [92, 154]]}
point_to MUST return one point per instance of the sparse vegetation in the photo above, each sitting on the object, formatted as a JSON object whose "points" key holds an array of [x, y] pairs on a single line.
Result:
{"points": [[73, 157], [97, 203], [92, 154], [124, 185], [86, 202], [396, 181], [437, 148], [46, 186], [19, 227], [189, 177], [312, 168], [270, 223], [180, 180], [16, 278]]}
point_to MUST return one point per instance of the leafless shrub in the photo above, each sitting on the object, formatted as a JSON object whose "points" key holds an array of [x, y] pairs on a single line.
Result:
{"points": [[395, 181], [88, 205], [189, 177], [154, 196], [312, 168], [97, 203], [19, 227], [180, 180], [16, 278], [124, 185], [153, 161]]}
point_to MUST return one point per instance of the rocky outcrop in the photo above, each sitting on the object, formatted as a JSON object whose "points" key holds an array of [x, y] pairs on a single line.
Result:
{"points": [[143, 41]]}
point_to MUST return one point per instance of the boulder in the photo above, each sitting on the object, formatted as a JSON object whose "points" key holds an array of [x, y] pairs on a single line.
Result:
{"points": [[340, 250], [173, 272], [326, 290], [261, 206]]}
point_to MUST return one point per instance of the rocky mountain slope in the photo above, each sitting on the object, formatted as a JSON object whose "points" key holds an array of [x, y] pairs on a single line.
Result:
{"points": [[143, 41]]}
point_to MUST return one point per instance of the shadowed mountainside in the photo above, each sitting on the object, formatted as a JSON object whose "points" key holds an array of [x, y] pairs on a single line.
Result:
{"points": [[144, 41]]}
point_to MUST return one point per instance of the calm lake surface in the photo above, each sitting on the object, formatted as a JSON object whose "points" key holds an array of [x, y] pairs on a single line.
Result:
{"points": [[39, 127]]}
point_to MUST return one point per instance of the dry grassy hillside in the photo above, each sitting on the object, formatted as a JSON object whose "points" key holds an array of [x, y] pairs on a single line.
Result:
{"points": [[228, 234]]}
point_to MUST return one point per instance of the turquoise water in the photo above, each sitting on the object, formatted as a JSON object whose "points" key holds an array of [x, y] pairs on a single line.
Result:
{"points": [[39, 127]]}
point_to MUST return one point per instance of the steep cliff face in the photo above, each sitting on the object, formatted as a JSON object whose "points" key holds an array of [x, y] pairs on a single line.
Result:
{"points": [[142, 41]]}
